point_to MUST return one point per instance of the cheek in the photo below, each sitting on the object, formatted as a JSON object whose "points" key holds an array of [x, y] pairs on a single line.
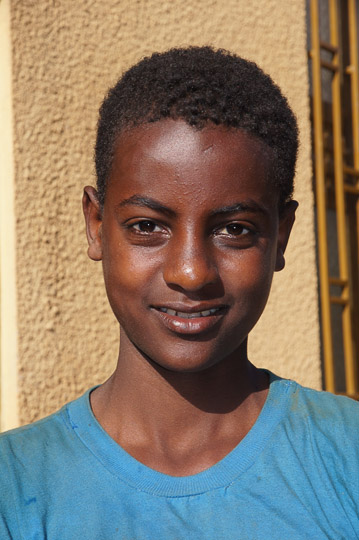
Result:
{"points": [[127, 272], [252, 277]]}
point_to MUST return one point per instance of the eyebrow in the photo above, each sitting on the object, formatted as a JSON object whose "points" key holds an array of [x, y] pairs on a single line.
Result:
{"points": [[246, 206], [148, 202]]}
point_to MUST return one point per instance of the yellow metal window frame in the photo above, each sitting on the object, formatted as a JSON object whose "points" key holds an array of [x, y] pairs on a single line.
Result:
{"points": [[342, 188]]}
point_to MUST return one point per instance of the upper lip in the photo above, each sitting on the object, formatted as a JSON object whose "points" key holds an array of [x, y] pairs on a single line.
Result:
{"points": [[185, 308]]}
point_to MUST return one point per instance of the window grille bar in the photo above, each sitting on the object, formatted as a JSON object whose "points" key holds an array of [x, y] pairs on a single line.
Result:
{"points": [[351, 189], [340, 202], [339, 300], [329, 65], [328, 47], [353, 71], [321, 199], [353, 171], [338, 281]]}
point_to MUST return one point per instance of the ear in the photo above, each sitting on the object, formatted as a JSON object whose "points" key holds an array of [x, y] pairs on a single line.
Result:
{"points": [[286, 220], [93, 219]]}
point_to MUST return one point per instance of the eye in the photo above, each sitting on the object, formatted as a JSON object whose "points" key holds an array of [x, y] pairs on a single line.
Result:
{"points": [[234, 229], [146, 226]]}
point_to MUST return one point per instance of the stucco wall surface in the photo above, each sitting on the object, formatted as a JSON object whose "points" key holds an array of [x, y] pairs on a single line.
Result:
{"points": [[65, 56]]}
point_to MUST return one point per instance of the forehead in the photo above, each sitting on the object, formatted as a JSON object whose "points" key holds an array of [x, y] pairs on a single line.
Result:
{"points": [[211, 163]]}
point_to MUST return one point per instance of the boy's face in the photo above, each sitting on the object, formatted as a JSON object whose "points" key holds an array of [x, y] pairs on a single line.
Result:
{"points": [[189, 239]]}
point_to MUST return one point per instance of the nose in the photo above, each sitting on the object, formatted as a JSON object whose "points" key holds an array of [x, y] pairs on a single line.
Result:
{"points": [[190, 264]]}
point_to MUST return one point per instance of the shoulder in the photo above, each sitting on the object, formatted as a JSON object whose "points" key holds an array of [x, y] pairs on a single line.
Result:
{"points": [[23, 451], [324, 408], [36, 436], [318, 419], [315, 448], [35, 461], [36, 446], [324, 423], [26, 451], [321, 428]]}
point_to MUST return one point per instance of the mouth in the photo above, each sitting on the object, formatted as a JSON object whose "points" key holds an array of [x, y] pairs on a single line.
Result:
{"points": [[193, 315], [189, 322]]}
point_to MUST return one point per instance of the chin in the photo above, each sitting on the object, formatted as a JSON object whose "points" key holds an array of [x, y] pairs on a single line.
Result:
{"points": [[191, 362], [185, 367]]}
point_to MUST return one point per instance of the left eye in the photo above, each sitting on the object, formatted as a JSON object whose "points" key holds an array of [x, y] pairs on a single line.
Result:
{"points": [[234, 229], [146, 227]]}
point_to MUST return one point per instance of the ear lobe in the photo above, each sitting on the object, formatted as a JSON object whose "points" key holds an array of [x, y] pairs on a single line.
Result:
{"points": [[93, 218], [280, 260], [286, 222]]}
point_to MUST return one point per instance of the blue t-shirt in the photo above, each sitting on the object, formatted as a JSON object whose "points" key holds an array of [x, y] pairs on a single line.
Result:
{"points": [[294, 476]]}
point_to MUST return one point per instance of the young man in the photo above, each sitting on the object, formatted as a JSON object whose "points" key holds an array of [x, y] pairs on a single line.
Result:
{"points": [[195, 159]]}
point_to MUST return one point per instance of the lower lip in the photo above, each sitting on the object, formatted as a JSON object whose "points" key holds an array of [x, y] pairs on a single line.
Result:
{"points": [[188, 326]]}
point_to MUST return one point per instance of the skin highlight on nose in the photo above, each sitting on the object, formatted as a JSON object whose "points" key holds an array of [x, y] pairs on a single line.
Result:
{"points": [[191, 270]]}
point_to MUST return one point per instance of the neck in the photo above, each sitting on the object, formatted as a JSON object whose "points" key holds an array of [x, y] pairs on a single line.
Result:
{"points": [[151, 411]]}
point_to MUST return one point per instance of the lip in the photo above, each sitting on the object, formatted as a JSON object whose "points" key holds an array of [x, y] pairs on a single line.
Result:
{"points": [[186, 325]]}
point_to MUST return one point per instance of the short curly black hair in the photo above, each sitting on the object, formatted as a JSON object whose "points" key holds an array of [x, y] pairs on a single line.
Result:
{"points": [[200, 85]]}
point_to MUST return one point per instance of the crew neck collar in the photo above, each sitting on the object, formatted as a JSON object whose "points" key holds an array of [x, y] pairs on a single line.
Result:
{"points": [[121, 464]]}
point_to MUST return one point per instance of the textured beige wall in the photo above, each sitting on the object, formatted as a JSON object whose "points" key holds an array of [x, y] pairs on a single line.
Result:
{"points": [[65, 55]]}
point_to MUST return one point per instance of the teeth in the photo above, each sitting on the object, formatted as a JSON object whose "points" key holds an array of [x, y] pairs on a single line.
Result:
{"points": [[183, 315]]}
